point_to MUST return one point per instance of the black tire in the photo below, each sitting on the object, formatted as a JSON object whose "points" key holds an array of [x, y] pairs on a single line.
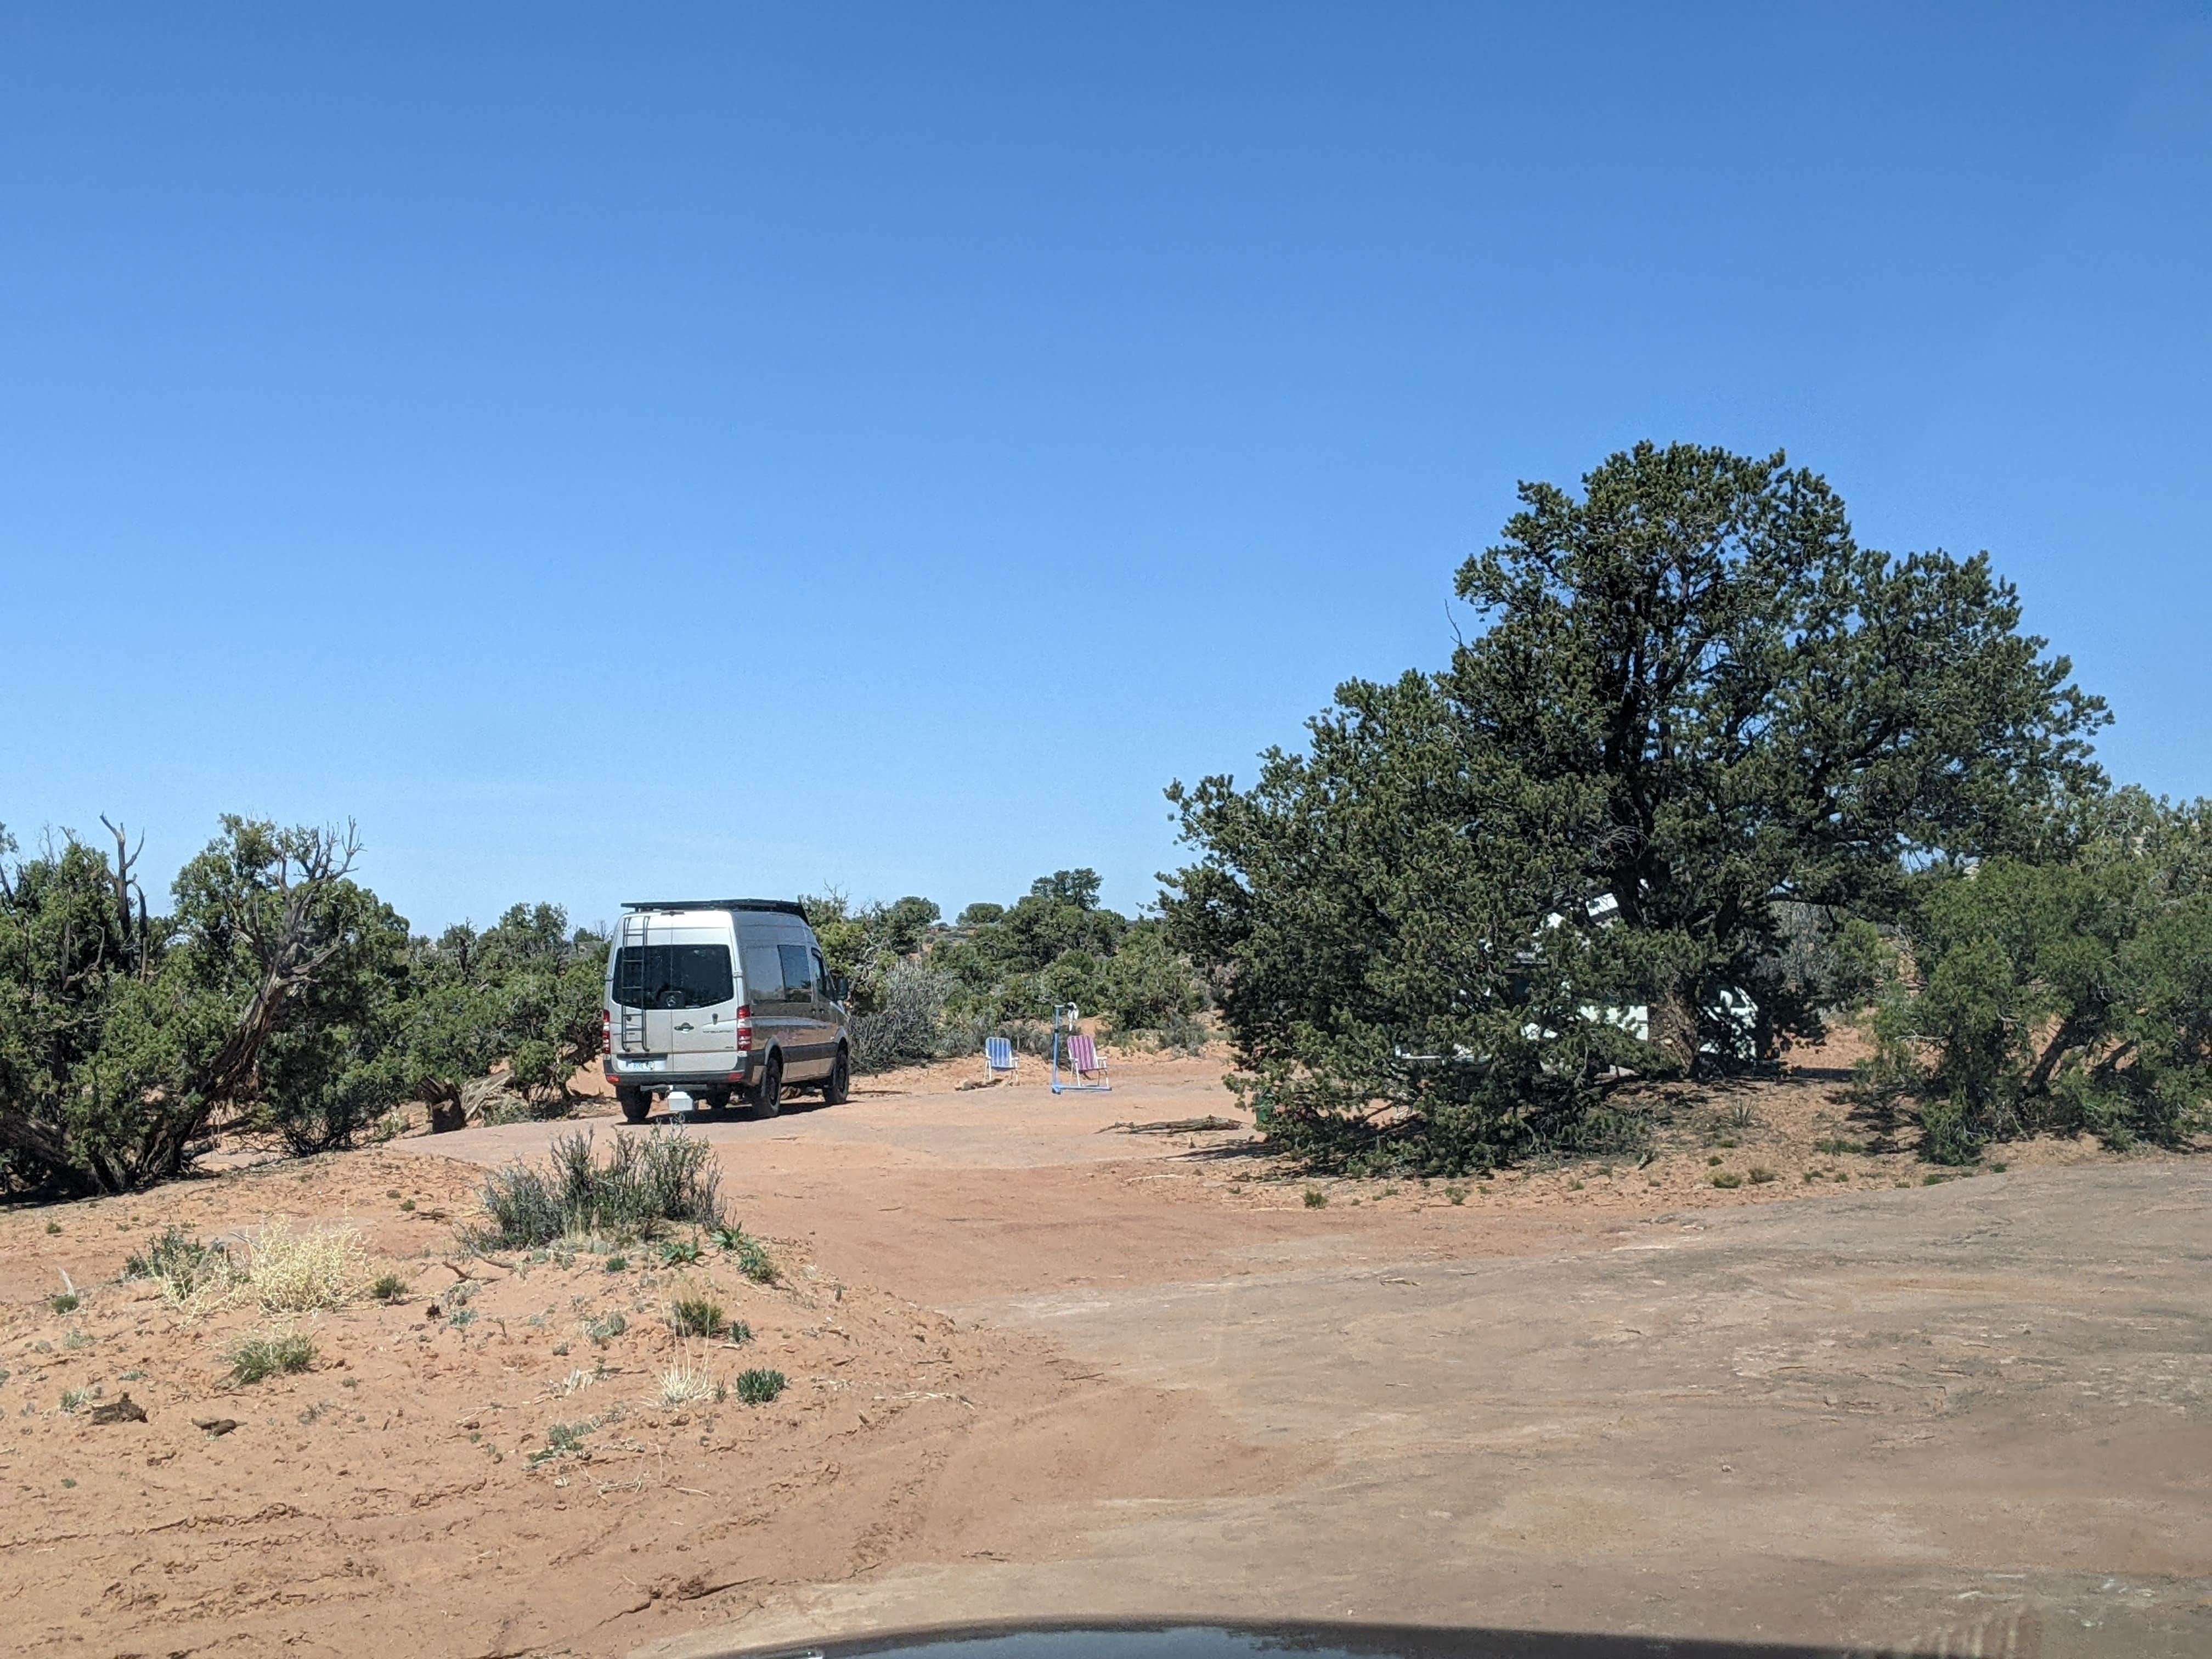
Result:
{"points": [[635, 1104], [839, 1088], [768, 1096]]}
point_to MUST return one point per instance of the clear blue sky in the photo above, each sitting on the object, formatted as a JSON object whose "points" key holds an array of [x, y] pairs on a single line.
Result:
{"points": [[619, 451]]}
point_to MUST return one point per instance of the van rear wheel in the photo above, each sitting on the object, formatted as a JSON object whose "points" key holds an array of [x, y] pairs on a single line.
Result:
{"points": [[768, 1096], [635, 1104]]}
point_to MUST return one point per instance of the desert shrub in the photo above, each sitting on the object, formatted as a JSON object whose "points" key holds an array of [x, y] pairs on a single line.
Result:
{"points": [[1727, 1178], [525, 992], [1146, 985], [128, 1040], [759, 1387], [182, 1267], [389, 1287], [263, 1356], [66, 1303], [2068, 995], [696, 1315], [291, 1272], [648, 1182], [907, 1024]]}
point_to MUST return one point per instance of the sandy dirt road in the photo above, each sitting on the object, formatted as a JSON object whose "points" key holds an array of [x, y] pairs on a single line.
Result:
{"points": [[1970, 1418]]}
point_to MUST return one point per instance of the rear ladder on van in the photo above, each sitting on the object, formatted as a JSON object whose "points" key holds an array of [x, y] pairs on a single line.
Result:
{"points": [[630, 980]]}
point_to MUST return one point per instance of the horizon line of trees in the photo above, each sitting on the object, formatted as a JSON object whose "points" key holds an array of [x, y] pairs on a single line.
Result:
{"points": [[278, 995]]}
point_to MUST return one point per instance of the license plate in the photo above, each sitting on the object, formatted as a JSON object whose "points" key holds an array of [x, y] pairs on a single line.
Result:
{"points": [[645, 1062]]}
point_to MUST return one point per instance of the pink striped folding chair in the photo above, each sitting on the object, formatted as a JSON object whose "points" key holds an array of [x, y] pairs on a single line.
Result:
{"points": [[1083, 1059]]}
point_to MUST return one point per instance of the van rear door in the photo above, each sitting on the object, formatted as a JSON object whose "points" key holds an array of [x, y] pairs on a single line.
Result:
{"points": [[700, 993], [677, 992]]}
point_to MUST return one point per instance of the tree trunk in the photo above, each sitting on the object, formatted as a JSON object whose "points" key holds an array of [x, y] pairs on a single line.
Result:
{"points": [[1674, 1014], [448, 1114]]}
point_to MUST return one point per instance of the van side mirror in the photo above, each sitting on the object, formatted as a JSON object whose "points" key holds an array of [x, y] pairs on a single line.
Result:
{"points": [[841, 987]]}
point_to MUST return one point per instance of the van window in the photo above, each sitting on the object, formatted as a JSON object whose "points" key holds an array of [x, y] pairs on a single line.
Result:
{"points": [[798, 971], [672, 976], [764, 974]]}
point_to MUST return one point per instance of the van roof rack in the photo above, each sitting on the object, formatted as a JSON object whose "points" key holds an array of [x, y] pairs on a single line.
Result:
{"points": [[786, 906]]}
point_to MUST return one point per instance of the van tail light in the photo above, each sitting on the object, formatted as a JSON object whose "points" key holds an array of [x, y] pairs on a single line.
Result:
{"points": [[745, 1027], [607, 1039]]}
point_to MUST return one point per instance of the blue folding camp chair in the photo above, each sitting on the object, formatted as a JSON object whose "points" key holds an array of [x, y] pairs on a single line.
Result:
{"points": [[999, 1056], [1082, 1056]]}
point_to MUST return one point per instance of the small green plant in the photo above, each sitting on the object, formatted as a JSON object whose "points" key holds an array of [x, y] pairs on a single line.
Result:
{"points": [[389, 1288], [564, 1440], [1812, 1175], [1316, 1198], [758, 1387], [392, 1192], [753, 1259], [678, 1252], [75, 1339], [64, 1304], [1574, 1186], [407, 1204], [1727, 1140], [1759, 1176], [617, 1264], [260, 1357], [1455, 1195], [1727, 1178], [1836, 1148], [127, 1376], [74, 1400], [53, 1226], [461, 1317], [1715, 1161], [1997, 1168], [696, 1315], [603, 1331], [1933, 1179]]}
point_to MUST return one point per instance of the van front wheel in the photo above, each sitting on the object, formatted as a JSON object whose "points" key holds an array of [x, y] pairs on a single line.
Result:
{"points": [[839, 1088], [767, 1097]]}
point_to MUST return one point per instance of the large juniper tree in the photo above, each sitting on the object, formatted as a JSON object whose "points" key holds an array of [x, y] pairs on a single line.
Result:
{"points": [[1692, 700]]}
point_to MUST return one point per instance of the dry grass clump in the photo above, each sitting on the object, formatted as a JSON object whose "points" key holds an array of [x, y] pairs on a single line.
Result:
{"points": [[294, 1273], [685, 1385]]}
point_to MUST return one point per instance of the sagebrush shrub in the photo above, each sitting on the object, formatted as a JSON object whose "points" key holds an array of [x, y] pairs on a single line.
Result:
{"points": [[648, 1181]]}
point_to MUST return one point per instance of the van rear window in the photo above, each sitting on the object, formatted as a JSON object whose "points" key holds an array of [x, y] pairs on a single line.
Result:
{"points": [[672, 976]]}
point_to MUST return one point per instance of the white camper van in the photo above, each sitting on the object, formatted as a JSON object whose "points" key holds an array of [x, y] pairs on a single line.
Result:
{"points": [[709, 1000]]}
